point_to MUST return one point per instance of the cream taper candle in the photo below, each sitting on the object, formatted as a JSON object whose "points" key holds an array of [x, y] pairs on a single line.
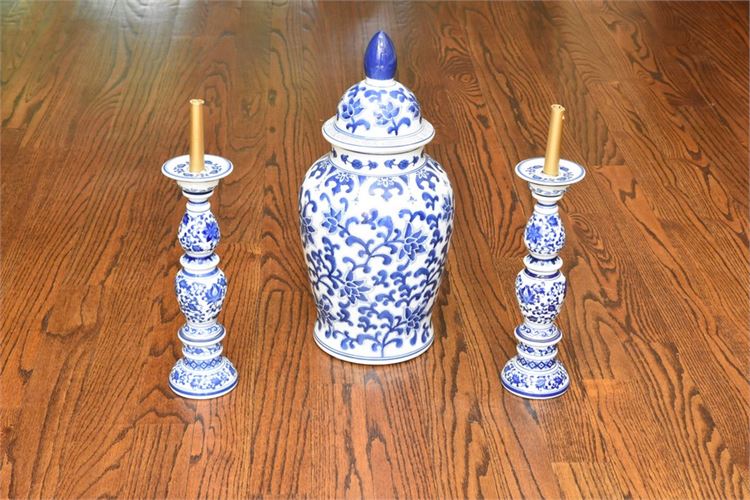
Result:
{"points": [[552, 155], [196, 135]]}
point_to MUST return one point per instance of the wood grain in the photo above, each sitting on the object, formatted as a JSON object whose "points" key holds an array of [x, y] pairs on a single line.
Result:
{"points": [[94, 99]]}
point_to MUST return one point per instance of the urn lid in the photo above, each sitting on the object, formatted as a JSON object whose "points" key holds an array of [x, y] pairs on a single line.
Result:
{"points": [[378, 114]]}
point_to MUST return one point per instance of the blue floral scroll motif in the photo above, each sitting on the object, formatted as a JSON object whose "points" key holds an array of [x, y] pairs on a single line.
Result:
{"points": [[532, 171], [531, 383], [374, 95], [388, 115], [413, 243], [210, 169], [402, 164], [349, 111], [392, 163], [544, 234], [305, 217], [200, 296], [540, 298], [375, 269], [374, 108], [198, 233], [402, 95], [186, 375], [387, 187]]}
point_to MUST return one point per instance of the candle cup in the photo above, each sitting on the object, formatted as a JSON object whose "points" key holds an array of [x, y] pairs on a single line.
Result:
{"points": [[203, 372], [535, 372]]}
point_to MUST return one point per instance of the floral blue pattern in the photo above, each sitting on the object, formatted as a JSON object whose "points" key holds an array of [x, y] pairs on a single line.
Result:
{"points": [[200, 296], [552, 381], [198, 233], [214, 167], [359, 163], [374, 267], [351, 107], [533, 170], [383, 112], [200, 380], [540, 298], [545, 235]]}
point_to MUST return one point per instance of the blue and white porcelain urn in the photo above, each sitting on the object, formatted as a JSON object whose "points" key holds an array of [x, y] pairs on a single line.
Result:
{"points": [[376, 217]]}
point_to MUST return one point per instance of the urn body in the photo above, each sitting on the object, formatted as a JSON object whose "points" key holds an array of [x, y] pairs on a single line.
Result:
{"points": [[375, 243]]}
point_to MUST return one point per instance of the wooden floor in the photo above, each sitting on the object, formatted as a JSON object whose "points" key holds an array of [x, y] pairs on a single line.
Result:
{"points": [[94, 100]]}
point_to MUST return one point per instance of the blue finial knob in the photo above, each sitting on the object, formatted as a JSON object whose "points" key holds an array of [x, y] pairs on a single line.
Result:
{"points": [[380, 57]]}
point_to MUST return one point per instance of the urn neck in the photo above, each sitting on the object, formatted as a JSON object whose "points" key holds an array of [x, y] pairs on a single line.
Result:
{"points": [[377, 165]]}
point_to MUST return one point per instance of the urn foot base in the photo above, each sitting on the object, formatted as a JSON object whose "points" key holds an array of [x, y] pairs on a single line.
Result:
{"points": [[364, 355], [197, 383], [535, 384]]}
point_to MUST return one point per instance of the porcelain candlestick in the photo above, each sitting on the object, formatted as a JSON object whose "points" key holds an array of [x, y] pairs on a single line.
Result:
{"points": [[200, 285], [535, 372]]}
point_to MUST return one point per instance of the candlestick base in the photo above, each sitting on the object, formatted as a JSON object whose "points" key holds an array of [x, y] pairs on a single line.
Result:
{"points": [[203, 380], [203, 372], [534, 383]]}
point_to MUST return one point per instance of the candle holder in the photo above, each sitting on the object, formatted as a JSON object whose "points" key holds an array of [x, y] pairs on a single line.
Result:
{"points": [[200, 285], [535, 372]]}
